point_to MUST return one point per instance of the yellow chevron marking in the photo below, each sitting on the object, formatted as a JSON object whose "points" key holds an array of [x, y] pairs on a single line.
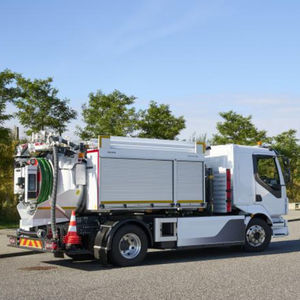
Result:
{"points": [[31, 243]]}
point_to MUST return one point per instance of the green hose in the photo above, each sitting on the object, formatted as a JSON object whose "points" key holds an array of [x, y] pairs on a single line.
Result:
{"points": [[47, 180]]}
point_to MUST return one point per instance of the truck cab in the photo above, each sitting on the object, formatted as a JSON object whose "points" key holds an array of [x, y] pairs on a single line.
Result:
{"points": [[258, 184]]}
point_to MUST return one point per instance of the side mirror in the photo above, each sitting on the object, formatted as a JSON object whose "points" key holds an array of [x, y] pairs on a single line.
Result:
{"points": [[287, 170]]}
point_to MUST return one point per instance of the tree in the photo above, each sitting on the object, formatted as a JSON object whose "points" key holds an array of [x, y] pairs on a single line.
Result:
{"points": [[109, 114], [158, 122], [7, 149], [287, 145], [7, 93], [237, 129], [39, 107]]}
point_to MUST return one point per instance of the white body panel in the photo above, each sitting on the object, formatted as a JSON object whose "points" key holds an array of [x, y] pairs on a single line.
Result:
{"points": [[202, 231], [18, 173], [92, 193]]}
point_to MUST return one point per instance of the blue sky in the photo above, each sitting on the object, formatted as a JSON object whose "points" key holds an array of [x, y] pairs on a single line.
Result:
{"points": [[201, 57]]}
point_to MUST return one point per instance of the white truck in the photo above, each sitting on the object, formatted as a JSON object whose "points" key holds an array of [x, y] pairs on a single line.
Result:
{"points": [[131, 194]]}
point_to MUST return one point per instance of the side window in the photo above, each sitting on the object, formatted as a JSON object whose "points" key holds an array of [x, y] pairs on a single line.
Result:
{"points": [[267, 171], [266, 174]]}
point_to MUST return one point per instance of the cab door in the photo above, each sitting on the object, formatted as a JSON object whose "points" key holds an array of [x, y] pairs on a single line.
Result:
{"points": [[270, 189]]}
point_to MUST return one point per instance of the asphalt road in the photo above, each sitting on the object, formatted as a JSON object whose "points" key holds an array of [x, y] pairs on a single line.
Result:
{"points": [[208, 274]]}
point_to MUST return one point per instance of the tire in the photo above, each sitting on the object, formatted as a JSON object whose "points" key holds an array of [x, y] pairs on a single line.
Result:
{"points": [[129, 246], [257, 235]]}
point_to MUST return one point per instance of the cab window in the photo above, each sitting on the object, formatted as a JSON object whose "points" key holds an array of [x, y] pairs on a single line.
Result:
{"points": [[267, 171], [266, 174]]}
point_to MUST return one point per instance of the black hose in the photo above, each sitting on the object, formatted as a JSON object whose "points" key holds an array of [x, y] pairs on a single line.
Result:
{"points": [[24, 150], [54, 192]]}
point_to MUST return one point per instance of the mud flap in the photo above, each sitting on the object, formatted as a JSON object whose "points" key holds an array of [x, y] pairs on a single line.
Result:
{"points": [[101, 244]]}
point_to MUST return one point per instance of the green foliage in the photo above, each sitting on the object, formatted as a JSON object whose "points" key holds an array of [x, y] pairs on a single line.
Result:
{"points": [[7, 93], [112, 114], [8, 222], [237, 129], [39, 107], [8, 90], [109, 114], [287, 145], [7, 149], [158, 122]]}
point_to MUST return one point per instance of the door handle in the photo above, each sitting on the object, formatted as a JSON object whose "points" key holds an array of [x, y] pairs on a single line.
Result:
{"points": [[258, 198]]}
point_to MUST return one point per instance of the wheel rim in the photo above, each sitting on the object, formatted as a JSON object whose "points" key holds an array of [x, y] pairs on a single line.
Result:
{"points": [[130, 246], [255, 235]]}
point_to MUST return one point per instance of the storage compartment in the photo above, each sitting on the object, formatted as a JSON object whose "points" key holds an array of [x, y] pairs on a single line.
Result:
{"points": [[189, 183], [135, 181], [165, 229]]}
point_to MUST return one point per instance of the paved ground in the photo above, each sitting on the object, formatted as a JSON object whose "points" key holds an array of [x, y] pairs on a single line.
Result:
{"points": [[211, 273]]}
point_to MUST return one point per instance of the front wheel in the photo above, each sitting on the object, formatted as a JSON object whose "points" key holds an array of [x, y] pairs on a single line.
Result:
{"points": [[258, 235], [129, 246]]}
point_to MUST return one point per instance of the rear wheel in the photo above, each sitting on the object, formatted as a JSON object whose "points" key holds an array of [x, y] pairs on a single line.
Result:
{"points": [[258, 235], [129, 246]]}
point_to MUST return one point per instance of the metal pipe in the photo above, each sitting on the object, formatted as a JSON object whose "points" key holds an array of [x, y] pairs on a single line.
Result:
{"points": [[63, 141], [26, 233], [54, 192]]}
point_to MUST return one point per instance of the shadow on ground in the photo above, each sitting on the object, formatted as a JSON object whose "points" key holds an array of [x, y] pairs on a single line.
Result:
{"points": [[14, 254], [182, 256]]}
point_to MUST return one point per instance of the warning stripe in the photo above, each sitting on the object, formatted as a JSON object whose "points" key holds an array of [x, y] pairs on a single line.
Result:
{"points": [[72, 228], [31, 243]]}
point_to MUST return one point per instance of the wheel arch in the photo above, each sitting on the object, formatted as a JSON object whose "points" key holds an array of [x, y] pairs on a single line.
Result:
{"points": [[252, 211], [136, 222], [104, 237], [263, 217]]}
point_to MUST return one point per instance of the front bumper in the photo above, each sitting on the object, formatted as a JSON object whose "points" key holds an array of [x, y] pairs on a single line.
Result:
{"points": [[280, 228]]}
